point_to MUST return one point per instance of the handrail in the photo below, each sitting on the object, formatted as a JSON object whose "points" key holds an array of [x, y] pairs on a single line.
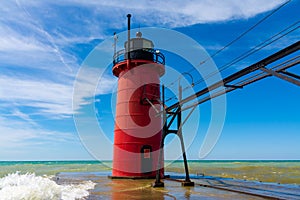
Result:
{"points": [[158, 57]]}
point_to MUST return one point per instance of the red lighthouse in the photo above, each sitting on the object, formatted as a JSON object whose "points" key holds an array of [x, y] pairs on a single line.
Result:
{"points": [[138, 128]]}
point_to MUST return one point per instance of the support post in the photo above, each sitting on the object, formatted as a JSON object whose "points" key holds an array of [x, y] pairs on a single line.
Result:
{"points": [[158, 182], [187, 181]]}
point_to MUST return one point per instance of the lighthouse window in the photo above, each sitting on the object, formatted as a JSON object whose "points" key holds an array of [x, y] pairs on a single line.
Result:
{"points": [[147, 153], [147, 44]]}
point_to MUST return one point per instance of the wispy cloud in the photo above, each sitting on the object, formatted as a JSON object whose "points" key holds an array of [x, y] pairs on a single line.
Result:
{"points": [[38, 35], [52, 99], [177, 13], [25, 42], [90, 83], [38, 67], [18, 134], [28, 41], [26, 117], [45, 96]]}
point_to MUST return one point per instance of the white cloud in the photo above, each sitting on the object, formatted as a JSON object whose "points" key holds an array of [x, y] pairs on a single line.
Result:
{"points": [[17, 135], [177, 13], [37, 35], [89, 83], [24, 42], [47, 97], [10, 42], [21, 115], [50, 98]]}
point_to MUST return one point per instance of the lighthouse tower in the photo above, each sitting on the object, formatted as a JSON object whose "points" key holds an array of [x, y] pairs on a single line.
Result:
{"points": [[138, 127]]}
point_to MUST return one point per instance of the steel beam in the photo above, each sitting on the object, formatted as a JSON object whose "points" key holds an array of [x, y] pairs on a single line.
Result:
{"points": [[290, 74], [281, 76], [272, 58]]}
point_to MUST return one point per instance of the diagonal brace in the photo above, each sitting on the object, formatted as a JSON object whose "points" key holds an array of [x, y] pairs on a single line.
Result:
{"points": [[281, 76]]}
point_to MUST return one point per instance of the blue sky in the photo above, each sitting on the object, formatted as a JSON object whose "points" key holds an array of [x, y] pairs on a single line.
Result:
{"points": [[43, 45]]}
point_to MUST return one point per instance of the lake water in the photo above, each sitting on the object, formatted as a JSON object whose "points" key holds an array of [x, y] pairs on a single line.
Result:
{"points": [[34, 179]]}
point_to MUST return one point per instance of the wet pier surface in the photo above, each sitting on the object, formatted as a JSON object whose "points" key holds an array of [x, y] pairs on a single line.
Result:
{"points": [[205, 188]]}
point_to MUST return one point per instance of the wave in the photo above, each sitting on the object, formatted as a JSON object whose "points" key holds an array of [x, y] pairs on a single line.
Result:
{"points": [[28, 186]]}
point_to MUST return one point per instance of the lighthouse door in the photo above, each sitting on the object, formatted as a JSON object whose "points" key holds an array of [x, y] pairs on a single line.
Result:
{"points": [[146, 159]]}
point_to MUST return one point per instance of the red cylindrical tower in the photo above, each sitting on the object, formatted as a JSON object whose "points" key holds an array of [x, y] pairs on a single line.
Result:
{"points": [[138, 128]]}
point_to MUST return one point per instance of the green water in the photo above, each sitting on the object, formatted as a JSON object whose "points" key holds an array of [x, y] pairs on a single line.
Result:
{"points": [[266, 171]]}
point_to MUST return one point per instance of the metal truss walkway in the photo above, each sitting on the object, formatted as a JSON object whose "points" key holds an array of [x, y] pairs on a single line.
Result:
{"points": [[238, 80]]}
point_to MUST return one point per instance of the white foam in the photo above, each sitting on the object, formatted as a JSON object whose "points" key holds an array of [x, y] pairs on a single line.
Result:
{"points": [[28, 186]]}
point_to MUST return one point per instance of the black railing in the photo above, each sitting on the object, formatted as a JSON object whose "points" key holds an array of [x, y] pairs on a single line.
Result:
{"points": [[142, 54]]}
